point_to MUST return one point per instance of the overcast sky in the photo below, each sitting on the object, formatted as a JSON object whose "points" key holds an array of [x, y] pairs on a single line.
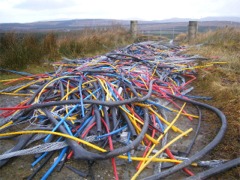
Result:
{"points": [[41, 10]]}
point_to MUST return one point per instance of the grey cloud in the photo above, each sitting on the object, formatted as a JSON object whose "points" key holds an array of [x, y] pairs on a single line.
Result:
{"points": [[45, 4]]}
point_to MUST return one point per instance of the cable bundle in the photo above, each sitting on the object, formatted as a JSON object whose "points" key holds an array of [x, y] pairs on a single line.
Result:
{"points": [[106, 106]]}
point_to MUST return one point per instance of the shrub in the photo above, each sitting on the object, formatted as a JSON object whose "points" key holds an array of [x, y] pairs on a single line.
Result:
{"points": [[17, 51], [93, 41]]}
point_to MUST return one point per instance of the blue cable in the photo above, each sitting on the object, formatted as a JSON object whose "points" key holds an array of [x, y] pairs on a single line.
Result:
{"points": [[94, 92], [50, 170], [60, 122], [83, 125], [39, 159], [113, 132], [159, 123], [81, 98], [113, 93]]}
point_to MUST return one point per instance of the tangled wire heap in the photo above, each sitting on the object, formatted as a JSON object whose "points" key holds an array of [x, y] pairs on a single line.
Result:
{"points": [[107, 106]]}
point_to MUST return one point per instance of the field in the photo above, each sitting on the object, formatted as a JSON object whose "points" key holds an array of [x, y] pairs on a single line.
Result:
{"points": [[35, 52]]}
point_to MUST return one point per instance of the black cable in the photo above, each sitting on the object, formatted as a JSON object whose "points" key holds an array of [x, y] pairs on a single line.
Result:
{"points": [[130, 126], [187, 152], [205, 150], [97, 102], [112, 55], [114, 116], [98, 119], [221, 168], [106, 118]]}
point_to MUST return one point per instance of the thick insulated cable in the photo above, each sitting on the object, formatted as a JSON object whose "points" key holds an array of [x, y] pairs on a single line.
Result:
{"points": [[117, 89], [213, 171], [206, 149]]}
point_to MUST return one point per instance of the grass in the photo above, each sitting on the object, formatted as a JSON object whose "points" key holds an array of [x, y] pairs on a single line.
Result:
{"points": [[18, 51], [93, 42], [222, 82]]}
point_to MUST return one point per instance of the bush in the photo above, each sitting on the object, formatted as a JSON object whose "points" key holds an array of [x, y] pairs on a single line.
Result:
{"points": [[50, 48], [17, 51], [93, 41], [12, 52]]}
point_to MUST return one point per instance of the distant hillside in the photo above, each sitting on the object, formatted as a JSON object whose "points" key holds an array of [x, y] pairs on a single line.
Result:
{"points": [[79, 24], [76, 24]]}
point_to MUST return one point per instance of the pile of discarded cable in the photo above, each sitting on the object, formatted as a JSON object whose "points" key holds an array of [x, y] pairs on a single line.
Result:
{"points": [[104, 107]]}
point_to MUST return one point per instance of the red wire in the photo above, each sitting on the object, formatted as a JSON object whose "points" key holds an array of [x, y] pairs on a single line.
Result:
{"points": [[70, 154], [169, 153], [188, 82], [111, 148], [14, 108]]}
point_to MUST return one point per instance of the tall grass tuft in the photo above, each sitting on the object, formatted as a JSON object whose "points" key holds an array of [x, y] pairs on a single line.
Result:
{"points": [[11, 51], [93, 41], [228, 38], [50, 47], [17, 51]]}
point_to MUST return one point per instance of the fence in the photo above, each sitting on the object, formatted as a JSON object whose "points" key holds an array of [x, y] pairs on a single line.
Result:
{"points": [[159, 28], [167, 29]]}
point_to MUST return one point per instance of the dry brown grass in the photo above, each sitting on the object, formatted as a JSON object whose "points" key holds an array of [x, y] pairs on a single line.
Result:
{"points": [[93, 41], [18, 51], [222, 82], [182, 37]]}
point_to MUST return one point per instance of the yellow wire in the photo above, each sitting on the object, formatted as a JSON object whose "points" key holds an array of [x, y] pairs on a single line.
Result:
{"points": [[183, 113], [224, 62], [4, 80], [173, 83], [159, 152], [15, 94], [174, 128], [154, 159], [143, 81], [137, 128], [104, 86], [6, 125], [40, 93], [142, 104], [155, 68], [165, 131], [55, 133], [28, 84]]}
